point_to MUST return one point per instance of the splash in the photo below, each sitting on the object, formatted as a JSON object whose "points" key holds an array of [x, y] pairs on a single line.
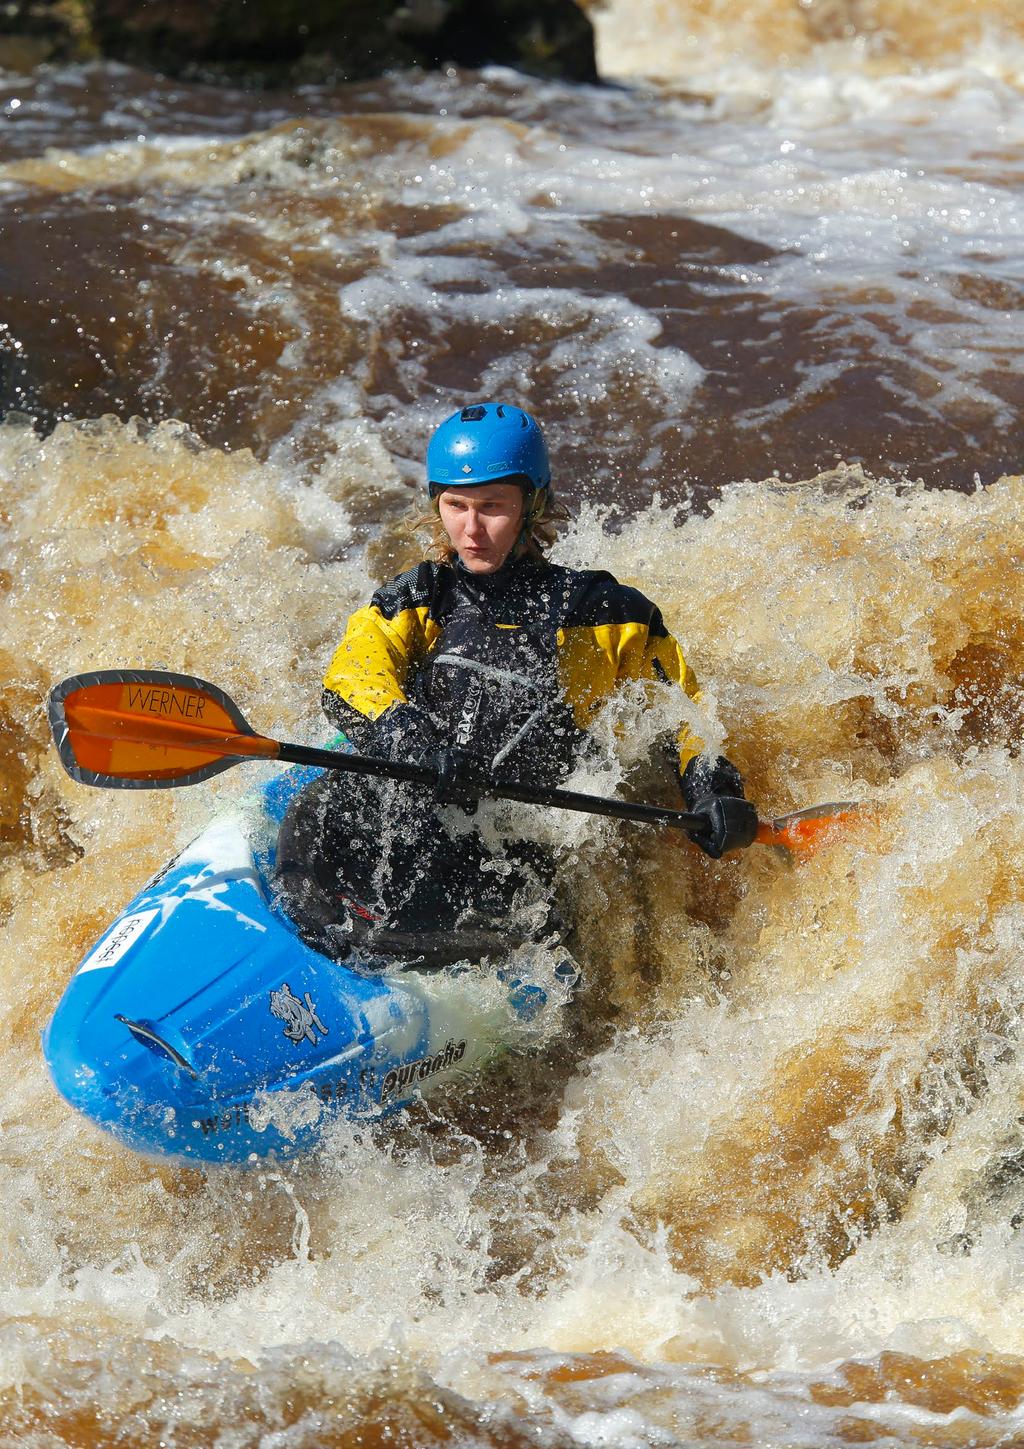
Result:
{"points": [[782, 1134], [685, 39]]}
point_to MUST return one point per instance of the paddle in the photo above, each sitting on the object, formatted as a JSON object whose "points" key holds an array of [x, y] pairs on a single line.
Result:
{"points": [[132, 729]]}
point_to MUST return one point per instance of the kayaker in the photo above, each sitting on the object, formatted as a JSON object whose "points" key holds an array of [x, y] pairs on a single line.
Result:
{"points": [[485, 661]]}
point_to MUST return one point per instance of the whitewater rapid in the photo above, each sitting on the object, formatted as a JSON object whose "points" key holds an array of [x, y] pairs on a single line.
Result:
{"points": [[765, 1184]]}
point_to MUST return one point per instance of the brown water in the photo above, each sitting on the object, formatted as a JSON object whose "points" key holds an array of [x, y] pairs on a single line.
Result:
{"points": [[764, 1187]]}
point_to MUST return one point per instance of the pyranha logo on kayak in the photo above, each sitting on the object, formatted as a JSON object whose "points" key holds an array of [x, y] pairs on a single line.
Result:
{"points": [[299, 1020], [402, 1076]]}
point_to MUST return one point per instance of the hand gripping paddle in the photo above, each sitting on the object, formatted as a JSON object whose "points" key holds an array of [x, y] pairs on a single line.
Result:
{"points": [[145, 729]]}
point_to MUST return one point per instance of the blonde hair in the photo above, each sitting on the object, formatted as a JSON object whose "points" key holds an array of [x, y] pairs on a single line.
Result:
{"points": [[544, 516]]}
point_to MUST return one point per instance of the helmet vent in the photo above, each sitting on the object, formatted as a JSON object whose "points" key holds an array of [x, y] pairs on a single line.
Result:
{"points": [[473, 415]]}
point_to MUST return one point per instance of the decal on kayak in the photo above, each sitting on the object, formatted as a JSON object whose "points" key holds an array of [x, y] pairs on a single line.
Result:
{"points": [[299, 1020], [223, 1122], [339, 1090], [418, 1071], [124, 936]]}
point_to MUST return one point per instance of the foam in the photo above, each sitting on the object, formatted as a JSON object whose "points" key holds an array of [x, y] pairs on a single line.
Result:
{"points": [[764, 1180]]}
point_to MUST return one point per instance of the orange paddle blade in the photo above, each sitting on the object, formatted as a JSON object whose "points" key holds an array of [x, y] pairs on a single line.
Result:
{"points": [[806, 831], [147, 728]]}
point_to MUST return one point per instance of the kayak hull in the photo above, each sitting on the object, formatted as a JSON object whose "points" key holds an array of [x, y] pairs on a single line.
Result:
{"points": [[202, 1028]]}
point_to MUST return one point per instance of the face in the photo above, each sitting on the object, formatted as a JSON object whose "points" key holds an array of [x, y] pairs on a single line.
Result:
{"points": [[483, 523]]}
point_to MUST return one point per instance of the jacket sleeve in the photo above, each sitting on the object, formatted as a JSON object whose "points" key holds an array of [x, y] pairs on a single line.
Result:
{"points": [[664, 660], [371, 664], [656, 655], [613, 633]]}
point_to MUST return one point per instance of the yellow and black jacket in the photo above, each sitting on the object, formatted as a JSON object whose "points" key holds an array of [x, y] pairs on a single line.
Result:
{"points": [[601, 634]]}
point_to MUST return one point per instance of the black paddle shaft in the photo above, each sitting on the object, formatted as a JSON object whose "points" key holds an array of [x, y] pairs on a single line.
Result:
{"points": [[496, 789]]}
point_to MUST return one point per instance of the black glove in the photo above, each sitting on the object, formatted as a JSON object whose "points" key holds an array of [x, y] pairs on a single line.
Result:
{"points": [[406, 733], [713, 789], [707, 775], [464, 778]]}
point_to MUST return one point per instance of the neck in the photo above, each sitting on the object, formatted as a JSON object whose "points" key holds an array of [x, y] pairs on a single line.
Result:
{"points": [[500, 578]]}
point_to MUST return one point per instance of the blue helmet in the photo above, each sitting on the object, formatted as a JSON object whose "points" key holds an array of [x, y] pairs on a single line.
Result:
{"points": [[484, 444]]}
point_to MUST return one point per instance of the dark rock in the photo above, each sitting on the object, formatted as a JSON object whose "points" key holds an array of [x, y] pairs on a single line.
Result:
{"points": [[275, 41], [552, 37], [34, 31]]}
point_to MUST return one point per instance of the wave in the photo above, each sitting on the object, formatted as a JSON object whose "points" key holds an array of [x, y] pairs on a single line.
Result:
{"points": [[690, 41], [801, 1085]]}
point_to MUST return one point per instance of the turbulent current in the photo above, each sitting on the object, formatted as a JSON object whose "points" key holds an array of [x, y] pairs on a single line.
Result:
{"points": [[763, 1182]]}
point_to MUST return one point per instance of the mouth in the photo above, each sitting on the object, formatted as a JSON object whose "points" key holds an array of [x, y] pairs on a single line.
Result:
{"points": [[480, 556]]}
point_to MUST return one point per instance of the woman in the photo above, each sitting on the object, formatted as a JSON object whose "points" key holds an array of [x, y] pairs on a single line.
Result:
{"points": [[486, 663]]}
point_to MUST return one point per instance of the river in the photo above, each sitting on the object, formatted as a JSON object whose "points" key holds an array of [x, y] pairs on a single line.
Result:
{"points": [[763, 1183]]}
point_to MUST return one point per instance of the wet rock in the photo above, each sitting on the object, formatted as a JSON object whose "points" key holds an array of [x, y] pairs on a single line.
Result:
{"points": [[276, 41], [34, 31]]}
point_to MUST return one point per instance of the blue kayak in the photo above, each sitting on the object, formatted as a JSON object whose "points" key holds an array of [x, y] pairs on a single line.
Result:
{"points": [[202, 1028]]}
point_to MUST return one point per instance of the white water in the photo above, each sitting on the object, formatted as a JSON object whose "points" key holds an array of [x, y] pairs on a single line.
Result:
{"points": [[766, 1187]]}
